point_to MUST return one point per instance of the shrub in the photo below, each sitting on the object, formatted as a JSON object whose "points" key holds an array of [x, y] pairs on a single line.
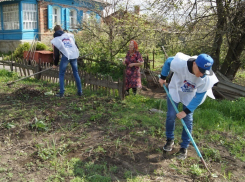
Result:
{"points": [[41, 46], [18, 53]]}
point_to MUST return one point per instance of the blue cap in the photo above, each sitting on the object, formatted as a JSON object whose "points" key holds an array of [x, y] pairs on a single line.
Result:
{"points": [[205, 63]]}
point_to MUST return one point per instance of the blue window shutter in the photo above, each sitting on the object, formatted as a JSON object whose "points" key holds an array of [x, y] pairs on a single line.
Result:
{"points": [[50, 17], [67, 19], [80, 18], [63, 14]]}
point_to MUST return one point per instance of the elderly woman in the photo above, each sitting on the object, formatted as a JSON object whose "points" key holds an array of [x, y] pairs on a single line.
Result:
{"points": [[133, 61]]}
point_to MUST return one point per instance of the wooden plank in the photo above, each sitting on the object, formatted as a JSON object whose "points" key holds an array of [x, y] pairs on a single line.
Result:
{"points": [[232, 87], [23, 68], [11, 65], [28, 70], [15, 68], [218, 92], [46, 67], [96, 78], [103, 83], [20, 71], [106, 85], [3, 61], [228, 92], [221, 77], [89, 81]]}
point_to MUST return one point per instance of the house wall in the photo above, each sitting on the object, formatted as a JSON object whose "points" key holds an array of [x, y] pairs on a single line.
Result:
{"points": [[10, 39], [46, 35], [10, 45]]}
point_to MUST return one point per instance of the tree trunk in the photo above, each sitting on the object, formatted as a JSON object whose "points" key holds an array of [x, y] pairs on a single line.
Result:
{"points": [[236, 44], [219, 35], [232, 60], [110, 42]]}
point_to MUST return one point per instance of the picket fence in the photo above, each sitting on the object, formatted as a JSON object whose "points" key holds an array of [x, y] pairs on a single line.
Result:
{"points": [[93, 82]]}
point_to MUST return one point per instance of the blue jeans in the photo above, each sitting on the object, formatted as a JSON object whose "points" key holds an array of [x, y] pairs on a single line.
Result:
{"points": [[63, 65], [170, 124]]}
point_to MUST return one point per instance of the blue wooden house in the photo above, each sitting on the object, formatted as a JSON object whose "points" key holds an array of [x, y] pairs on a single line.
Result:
{"points": [[26, 20]]}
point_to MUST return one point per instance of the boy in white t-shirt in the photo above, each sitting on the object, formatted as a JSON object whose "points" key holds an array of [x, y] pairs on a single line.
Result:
{"points": [[191, 81]]}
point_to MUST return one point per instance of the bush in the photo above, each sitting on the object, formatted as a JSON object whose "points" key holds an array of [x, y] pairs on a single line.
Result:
{"points": [[6, 73], [18, 53], [41, 46]]}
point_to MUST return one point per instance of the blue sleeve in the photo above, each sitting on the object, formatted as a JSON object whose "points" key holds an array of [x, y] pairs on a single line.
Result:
{"points": [[166, 66], [197, 99]]}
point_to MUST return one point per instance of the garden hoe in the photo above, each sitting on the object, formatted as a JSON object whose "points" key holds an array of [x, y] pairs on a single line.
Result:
{"points": [[9, 84], [189, 134]]}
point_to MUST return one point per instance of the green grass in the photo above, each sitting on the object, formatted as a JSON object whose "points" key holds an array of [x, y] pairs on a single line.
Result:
{"points": [[61, 127]]}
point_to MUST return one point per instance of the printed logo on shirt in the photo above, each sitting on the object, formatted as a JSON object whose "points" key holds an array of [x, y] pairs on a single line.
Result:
{"points": [[188, 86], [67, 43]]}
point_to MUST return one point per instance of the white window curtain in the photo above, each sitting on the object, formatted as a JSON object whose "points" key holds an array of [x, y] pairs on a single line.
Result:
{"points": [[29, 16], [56, 16], [11, 17], [73, 19]]}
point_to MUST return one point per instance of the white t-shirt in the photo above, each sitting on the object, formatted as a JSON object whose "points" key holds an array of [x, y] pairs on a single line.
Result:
{"points": [[66, 44], [184, 85]]}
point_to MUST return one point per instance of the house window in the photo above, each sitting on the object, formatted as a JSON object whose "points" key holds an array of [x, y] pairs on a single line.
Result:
{"points": [[0, 21], [86, 16], [73, 19], [29, 16], [11, 17], [56, 16]]}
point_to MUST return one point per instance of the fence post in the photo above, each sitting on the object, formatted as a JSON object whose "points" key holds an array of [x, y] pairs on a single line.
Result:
{"points": [[123, 84], [38, 68], [153, 58], [11, 65], [3, 62]]}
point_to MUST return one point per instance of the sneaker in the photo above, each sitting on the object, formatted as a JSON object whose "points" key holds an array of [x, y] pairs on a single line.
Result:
{"points": [[182, 154], [59, 95], [80, 94], [168, 146]]}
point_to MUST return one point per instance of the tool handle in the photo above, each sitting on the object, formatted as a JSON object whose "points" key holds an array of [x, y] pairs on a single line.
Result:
{"points": [[28, 76]]}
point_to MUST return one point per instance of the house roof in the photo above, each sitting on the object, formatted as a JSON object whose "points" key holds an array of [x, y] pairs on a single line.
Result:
{"points": [[5, 0], [100, 1]]}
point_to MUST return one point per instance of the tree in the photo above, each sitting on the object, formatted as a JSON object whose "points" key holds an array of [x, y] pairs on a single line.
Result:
{"points": [[214, 27], [119, 24], [235, 38]]}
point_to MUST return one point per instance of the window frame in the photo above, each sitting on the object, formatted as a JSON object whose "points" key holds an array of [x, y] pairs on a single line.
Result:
{"points": [[16, 15], [35, 16], [1, 18], [58, 15], [74, 25]]}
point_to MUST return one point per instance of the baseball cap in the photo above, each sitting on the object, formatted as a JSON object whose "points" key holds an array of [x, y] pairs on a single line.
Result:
{"points": [[205, 63]]}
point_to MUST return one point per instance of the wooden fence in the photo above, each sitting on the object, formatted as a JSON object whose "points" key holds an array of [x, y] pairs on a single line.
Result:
{"points": [[89, 81]]}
